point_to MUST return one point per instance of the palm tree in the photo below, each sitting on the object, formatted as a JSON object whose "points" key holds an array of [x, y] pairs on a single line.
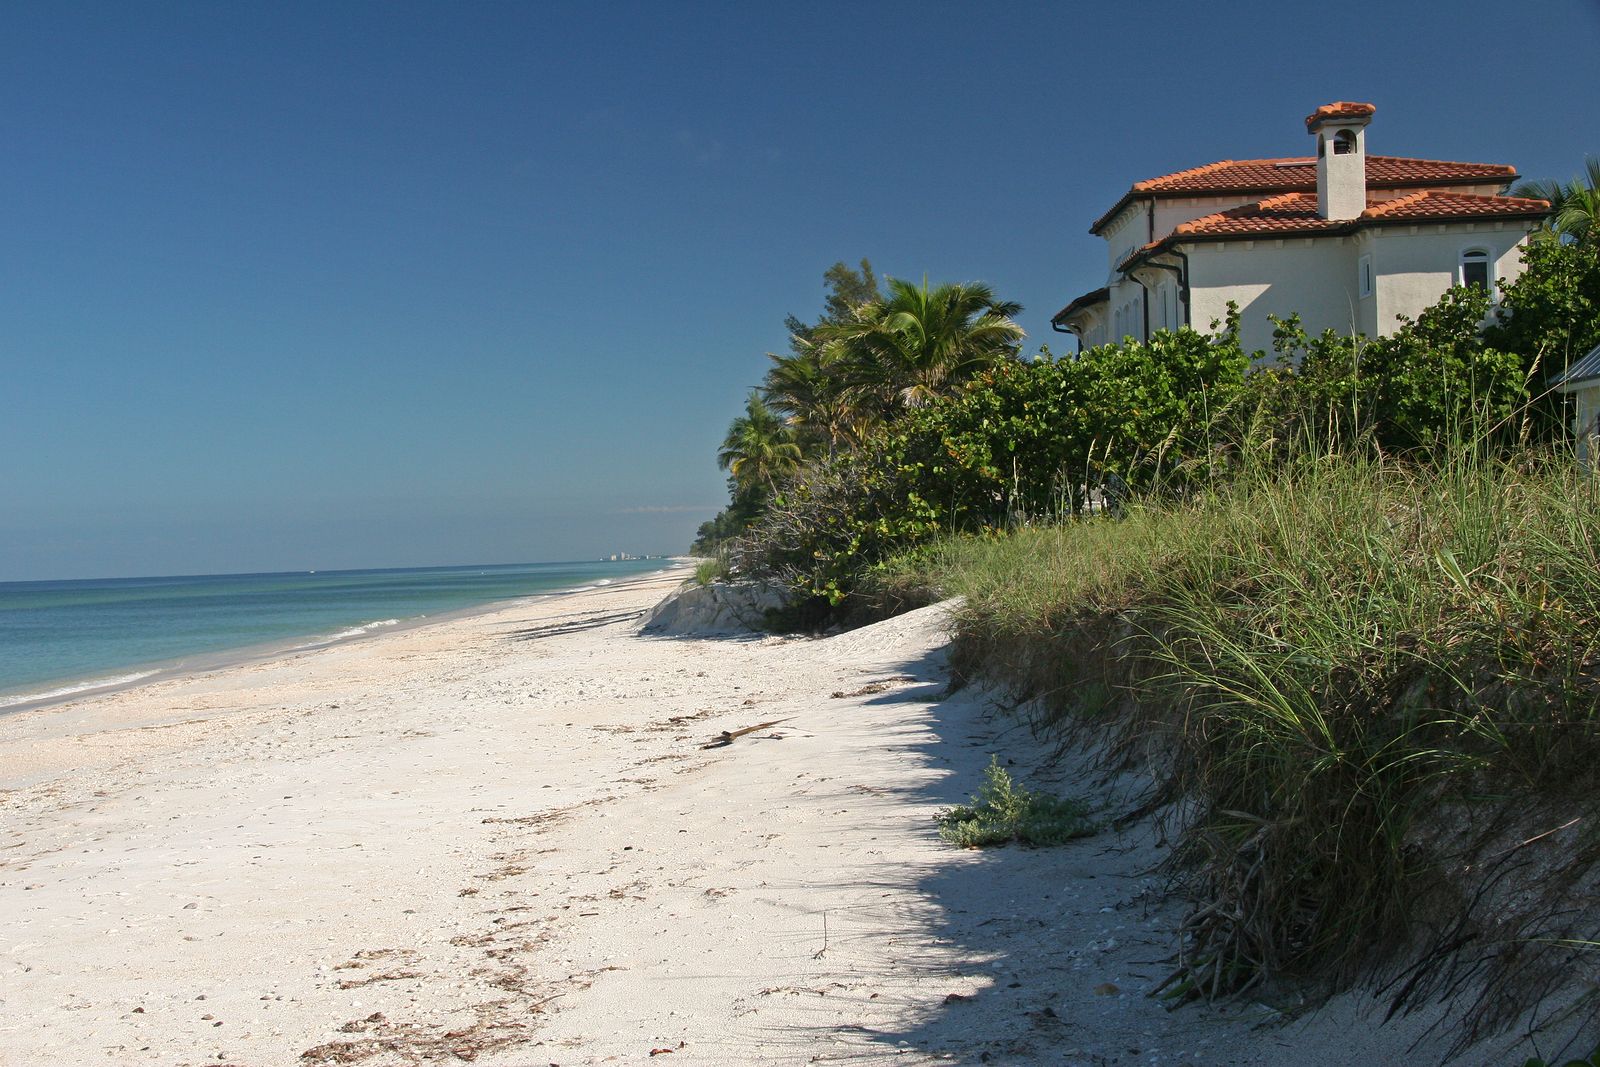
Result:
{"points": [[1574, 206], [917, 344], [759, 449], [809, 389]]}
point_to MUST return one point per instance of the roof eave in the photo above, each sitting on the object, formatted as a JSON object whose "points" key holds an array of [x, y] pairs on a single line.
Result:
{"points": [[1087, 300], [1129, 197], [1454, 220], [1171, 241], [1344, 229]]}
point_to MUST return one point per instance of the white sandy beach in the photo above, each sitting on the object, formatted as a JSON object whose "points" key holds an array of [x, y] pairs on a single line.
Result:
{"points": [[498, 839]]}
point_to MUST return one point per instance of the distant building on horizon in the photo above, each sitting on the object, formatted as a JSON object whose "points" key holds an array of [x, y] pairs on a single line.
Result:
{"points": [[1346, 240]]}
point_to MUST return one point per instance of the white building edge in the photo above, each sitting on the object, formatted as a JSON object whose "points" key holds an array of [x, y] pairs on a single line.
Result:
{"points": [[1581, 381], [1346, 240]]}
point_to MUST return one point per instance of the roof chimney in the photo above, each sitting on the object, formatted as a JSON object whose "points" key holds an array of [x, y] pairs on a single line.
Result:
{"points": [[1340, 129]]}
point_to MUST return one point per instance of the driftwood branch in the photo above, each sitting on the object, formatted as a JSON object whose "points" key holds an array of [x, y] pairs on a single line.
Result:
{"points": [[726, 737]]}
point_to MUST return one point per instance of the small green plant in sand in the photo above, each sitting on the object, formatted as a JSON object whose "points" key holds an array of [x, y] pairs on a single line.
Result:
{"points": [[1004, 811]]}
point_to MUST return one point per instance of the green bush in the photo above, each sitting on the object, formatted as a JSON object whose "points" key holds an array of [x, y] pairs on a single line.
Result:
{"points": [[1433, 381]]}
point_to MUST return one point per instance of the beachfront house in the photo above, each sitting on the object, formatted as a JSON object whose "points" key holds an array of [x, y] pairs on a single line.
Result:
{"points": [[1344, 239], [1581, 381]]}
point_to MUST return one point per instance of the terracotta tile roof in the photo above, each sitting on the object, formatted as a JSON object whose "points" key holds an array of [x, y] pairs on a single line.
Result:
{"points": [[1295, 214], [1440, 204], [1341, 109], [1299, 174]]}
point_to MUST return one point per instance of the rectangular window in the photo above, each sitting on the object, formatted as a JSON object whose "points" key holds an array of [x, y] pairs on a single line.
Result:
{"points": [[1366, 275], [1475, 269]]}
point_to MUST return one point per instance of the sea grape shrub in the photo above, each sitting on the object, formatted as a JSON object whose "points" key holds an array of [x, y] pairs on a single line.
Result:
{"points": [[1439, 381], [1151, 414], [1550, 318], [1551, 313], [1433, 382], [1023, 443]]}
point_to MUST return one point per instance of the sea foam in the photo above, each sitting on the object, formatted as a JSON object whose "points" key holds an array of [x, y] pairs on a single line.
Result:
{"points": [[357, 631], [70, 690]]}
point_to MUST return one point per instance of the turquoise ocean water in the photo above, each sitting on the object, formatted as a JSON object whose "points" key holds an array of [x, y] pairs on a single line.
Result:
{"points": [[67, 636]]}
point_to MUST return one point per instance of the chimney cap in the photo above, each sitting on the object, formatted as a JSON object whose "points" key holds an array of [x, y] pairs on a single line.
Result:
{"points": [[1341, 109]]}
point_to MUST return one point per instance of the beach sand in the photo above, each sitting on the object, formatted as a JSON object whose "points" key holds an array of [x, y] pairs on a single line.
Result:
{"points": [[500, 839]]}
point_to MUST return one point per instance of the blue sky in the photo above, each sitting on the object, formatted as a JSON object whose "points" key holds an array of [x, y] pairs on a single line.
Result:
{"points": [[312, 286]]}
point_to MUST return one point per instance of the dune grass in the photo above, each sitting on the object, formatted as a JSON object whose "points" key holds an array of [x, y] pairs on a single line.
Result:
{"points": [[711, 569], [1338, 662]]}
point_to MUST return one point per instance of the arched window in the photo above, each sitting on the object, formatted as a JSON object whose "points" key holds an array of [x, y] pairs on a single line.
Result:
{"points": [[1344, 142], [1475, 268]]}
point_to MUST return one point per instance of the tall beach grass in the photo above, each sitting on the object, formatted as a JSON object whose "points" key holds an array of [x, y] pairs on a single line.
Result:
{"points": [[1372, 684]]}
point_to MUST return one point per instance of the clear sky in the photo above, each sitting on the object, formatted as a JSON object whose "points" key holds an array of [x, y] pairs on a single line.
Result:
{"points": [[339, 285]]}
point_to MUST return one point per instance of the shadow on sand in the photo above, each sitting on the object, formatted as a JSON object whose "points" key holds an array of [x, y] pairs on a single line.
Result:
{"points": [[1003, 955]]}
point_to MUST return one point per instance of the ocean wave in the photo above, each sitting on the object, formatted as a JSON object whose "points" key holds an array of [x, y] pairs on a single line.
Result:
{"points": [[603, 581], [357, 631], [69, 690]]}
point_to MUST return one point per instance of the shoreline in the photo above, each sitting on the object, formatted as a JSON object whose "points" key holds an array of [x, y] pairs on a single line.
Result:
{"points": [[78, 687]]}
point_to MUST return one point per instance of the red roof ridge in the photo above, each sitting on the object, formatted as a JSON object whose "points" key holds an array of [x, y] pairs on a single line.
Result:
{"points": [[1503, 168], [1384, 207], [1200, 223], [1281, 202], [1525, 201], [1150, 183]]}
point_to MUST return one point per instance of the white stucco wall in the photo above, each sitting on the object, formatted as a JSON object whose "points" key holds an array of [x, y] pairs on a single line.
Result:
{"points": [[1122, 235], [1314, 277], [1416, 264], [1319, 278], [1091, 323], [1170, 214]]}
